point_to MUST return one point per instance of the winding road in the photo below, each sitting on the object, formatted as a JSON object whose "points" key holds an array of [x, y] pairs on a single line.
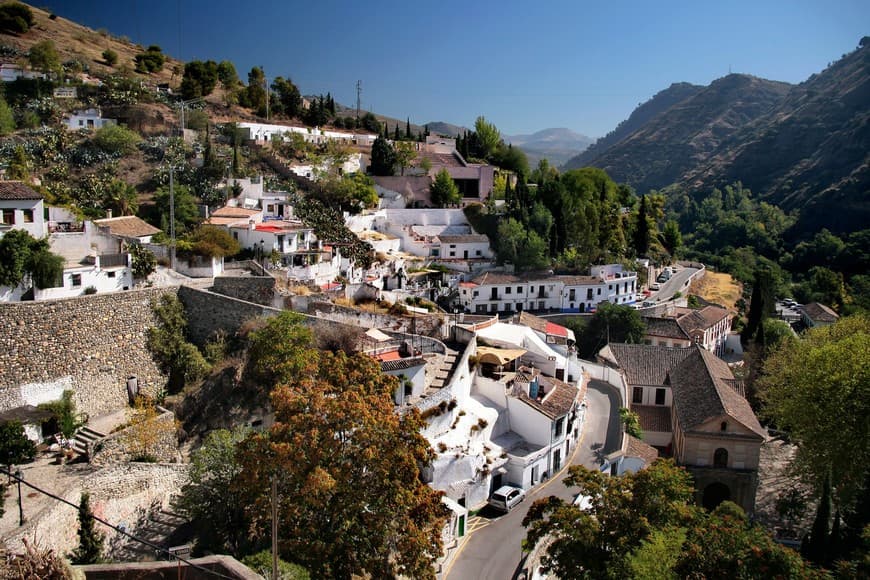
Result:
{"points": [[494, 547]]}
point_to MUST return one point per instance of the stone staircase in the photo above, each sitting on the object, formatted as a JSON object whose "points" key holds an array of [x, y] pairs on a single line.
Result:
{"points": [[158, 526], [445, 371], [85, 439]]}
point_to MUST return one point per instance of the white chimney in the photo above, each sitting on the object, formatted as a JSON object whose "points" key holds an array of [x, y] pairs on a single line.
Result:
{"points": [[108, 213]]}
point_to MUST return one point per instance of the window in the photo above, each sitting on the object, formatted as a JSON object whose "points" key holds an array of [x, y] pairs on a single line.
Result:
{"points": [[660, 396], [720, 457], [560, 423], [8, 217], [452, 254], [519, 289], [508, 290], [531, 289], [475, 293], [28, 216], [599, 291], [478, 253], [589, 294], [81, 123], [480, 308], [637, 395], [610, 286], [76, 279], [111, 274], [724, 426], [452, 245]]}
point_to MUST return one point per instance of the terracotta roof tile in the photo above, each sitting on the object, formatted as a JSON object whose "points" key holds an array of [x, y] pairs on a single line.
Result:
{"points": [[818, 312], [402, 363], [559, 396], [128, 226], [641, 450], [653, 418], [664, 327], [702, 388], [17, 190], [647, 365]]}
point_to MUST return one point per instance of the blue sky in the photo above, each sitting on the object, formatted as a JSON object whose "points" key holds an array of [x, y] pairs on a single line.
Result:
{"points": [[525, 66]]}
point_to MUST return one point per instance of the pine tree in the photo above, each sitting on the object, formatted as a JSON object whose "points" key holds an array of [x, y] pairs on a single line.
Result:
{"points": [[90, 540], [408, 129]]}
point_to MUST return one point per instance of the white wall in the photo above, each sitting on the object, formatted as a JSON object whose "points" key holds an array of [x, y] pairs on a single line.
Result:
{"points": [[113, 279], [36, 227]]}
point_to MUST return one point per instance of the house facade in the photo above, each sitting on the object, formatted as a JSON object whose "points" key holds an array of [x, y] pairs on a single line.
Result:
{"points": [[88, 119], [21, 208], [494, 292], [708, 327]]}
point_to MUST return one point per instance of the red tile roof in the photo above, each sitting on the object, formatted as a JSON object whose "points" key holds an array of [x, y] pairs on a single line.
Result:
{"points": [[17, 190]]}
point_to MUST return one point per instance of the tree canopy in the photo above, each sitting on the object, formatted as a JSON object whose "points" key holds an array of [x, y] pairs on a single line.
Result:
{"points": [[383, 157], [346, 465], [611, 323], [443, 191], [21, 255], [644, 525]]}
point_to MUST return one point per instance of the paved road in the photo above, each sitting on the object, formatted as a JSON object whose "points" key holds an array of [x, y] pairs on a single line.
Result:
{"points": [[677, 283], [494, 549]]}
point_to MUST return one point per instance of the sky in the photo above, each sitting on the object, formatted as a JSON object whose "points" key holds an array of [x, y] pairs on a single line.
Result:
{"points": [[525, 66]]}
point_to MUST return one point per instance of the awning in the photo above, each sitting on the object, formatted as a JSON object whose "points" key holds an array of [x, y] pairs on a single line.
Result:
{"points": [[377, 335], [498, 356]]}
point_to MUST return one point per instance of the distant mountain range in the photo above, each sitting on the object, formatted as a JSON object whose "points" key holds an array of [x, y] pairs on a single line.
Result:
{"points": [[803, 146], [555, 145]]}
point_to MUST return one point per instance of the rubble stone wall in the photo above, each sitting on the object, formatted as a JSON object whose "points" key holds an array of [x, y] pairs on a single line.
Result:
{"points": [[88, 344]]}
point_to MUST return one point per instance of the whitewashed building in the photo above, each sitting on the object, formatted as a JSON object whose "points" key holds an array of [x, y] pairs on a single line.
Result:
{"points": [[87, 119], [493, 292]]}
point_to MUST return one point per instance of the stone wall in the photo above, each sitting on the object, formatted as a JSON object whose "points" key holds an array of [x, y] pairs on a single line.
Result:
{"points": [[160, 435], [89, 344], [256, 289], [120, 495], [208, 312]]}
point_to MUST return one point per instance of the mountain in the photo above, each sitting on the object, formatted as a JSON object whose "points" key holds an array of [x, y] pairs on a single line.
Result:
{"points": [[660, 102], [811, 152], [444, 128], [667, 146], [555, 145], [802, 147]]}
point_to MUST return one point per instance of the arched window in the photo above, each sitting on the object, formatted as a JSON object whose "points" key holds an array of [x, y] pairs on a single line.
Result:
{"points": [[720, 457]]}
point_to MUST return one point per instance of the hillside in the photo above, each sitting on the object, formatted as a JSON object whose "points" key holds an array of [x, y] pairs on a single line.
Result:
{"points": [[659, 103], [444, 128], [555, 145], [662, 150], [810, 152], [76, 42]]}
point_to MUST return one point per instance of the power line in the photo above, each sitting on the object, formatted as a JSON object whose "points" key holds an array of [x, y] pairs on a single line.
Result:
{"points": [[117, 529]]}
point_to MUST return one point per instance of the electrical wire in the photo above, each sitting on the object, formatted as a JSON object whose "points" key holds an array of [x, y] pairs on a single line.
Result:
{"points": [[117, 529]]}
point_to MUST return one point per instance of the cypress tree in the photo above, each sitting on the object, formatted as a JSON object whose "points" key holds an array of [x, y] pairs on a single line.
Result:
{"points": [[816, 549], [641, 233], [408, 129], [90, 540], [760, 304], [397, 136]]}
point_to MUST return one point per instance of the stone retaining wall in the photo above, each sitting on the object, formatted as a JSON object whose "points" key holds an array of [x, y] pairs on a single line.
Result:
{"points": [[208, 312], [164, 448], [256, 289], [88, 344], [119, 495]]}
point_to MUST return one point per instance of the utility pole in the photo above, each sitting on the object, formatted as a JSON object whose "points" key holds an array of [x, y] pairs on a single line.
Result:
{"points": [[266, 87], [171, 215], [358, 93], [21, 520], [274, 528]]}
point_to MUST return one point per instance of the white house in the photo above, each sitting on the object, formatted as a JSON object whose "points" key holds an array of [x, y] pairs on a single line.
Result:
{"points": [[21, 208], [87, 119], [708, 327], [540, 420], [128, 228], [266, 132], [10, 72], [493, 292]]}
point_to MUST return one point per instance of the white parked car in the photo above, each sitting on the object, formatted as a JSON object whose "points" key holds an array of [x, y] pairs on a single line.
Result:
{"points": [[506, 497]]}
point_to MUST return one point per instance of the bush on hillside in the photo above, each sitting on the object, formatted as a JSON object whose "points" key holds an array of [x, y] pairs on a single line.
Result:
{"points": [[15, 17]]}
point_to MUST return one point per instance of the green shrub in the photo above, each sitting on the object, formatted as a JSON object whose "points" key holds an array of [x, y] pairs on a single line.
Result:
{"points": [[116, 139], [110, 56], [151, 60], [261, 563], [64, 410], [15, 17]]}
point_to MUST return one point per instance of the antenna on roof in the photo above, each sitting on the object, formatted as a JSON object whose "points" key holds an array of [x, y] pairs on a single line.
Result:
{"points": [[358, 93]]}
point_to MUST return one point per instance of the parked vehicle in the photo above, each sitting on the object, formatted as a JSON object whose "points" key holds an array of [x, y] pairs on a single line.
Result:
{"points": [[506, 497], [655, 286], [649, 303]]}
